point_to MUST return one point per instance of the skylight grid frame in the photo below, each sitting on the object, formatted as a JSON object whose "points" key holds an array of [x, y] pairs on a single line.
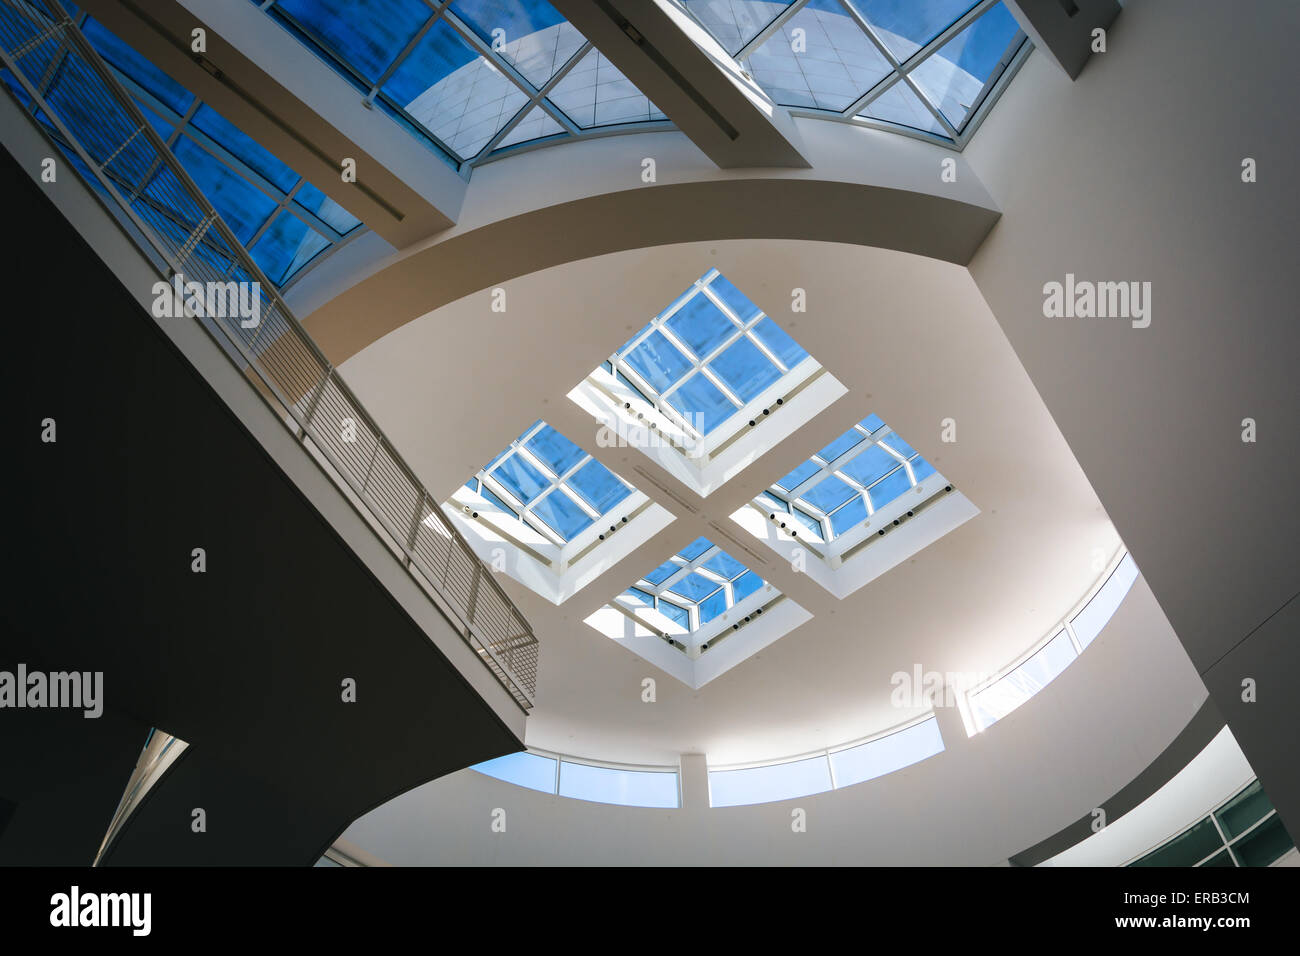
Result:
{"points": [[901, 72], [558, 485], [793, 497], [535, 97], [183, 125], [685, 568], [743, 328]]}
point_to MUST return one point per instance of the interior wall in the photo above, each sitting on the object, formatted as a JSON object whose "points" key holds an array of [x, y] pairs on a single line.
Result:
{"points": [[980, 801], [1134, 172]]}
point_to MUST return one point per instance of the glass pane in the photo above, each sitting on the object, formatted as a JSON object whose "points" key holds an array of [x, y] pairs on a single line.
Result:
{"points": [[733, 23], [1264, 844], [663, 572], [907, 25], [520, 478], [799, 475], [637, 596], [695, 549], [879, 757], [1244, 810], [995, 702], [629, 788], [240, 145], [453, 92], [537, 124], [799, 778], [850, 516], [786, 349], [1187, 849], [678, 615], [725, 565], [953, 77], [828, 494], [522, 769], [839, 446], [733, 298], [745, 585], [921, 469], [694, 587], [554, 450], [872, 423], [703, 403], [658, 361], [562, 514], [136, 67], [712, 606], [744, 369], [594, 93], [240, 204], [1089, 622], [599, 486], [367, 35], [870, 466], [886, 490], [700, 325], [530, 35], [827, 64], [899, 104], [813, 525], [313, 200], [286, 246], [895, 442]]}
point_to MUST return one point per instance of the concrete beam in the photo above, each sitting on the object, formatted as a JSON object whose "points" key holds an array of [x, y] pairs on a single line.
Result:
{"points": [[278, 92], [688, 75], [1062, 29]]}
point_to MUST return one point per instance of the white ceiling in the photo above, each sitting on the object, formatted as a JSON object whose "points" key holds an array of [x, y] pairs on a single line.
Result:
{"points": [[912, 340]]}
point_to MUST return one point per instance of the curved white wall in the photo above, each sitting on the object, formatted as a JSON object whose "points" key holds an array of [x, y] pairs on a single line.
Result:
{"points": [[986, 797]]}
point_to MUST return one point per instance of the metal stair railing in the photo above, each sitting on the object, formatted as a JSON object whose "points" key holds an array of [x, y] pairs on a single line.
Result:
{"points": [[80, 105]]}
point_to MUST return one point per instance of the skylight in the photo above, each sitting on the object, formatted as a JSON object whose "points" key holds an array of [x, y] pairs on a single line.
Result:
{"points": [[690, 589], [283, 220], [924, 65], [856, 508], [471, 76], [848, 481], [547, 512], [698, 614], [706, 370], [550, 484]]}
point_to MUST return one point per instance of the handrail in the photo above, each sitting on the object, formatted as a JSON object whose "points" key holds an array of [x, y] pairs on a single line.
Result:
{"points": [[122, 156]]}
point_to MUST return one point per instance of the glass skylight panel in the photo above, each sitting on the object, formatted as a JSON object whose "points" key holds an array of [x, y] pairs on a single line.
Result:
{"points": [[284, 220], [628, 788], [703, 355], [782, 781], [550, 484], [530, 35], [1088, 623], [733, 23], [523, 770], [850, 479], [819, 58], [955, 76], [367, 35], [595, 93], [906, 26], [694, 586], [999, 699], [900, 105], [886, 754]]}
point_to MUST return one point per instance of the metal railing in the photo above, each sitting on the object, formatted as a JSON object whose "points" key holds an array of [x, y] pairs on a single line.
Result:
{"points": [[74, 96]]}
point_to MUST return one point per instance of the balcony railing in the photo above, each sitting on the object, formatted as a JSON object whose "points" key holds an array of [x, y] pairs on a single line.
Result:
{"points": [[79, 103]]}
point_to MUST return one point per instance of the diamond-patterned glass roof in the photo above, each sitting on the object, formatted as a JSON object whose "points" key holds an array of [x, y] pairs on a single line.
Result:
{"points": [[922, 64]]}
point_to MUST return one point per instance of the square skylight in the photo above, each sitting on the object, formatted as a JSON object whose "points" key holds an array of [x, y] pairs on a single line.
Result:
{"points": [[856, 508], [698, 614], [550, 515], [708, 385]]}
